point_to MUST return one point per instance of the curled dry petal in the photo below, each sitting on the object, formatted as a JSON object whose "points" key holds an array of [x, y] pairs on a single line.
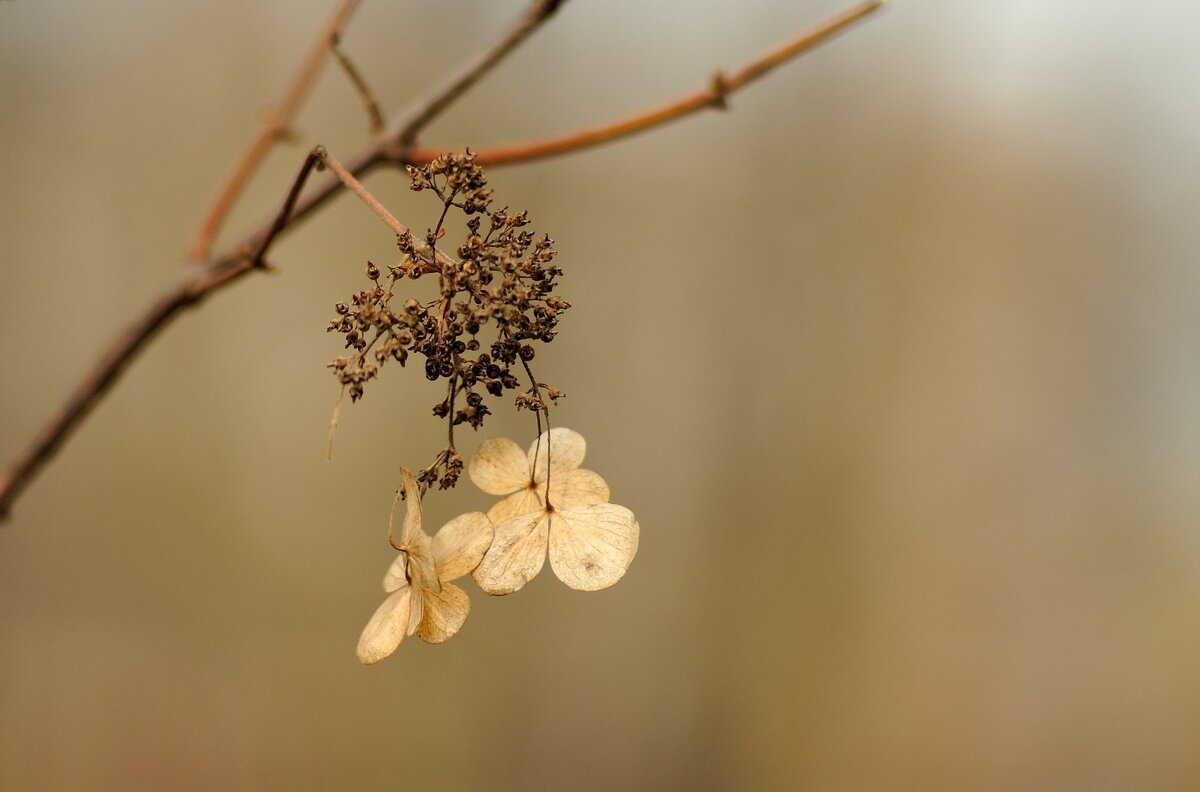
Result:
{"points": [[387, 627], [412, 509], [592, 546], [421, 570], [499, 467], [445, 613], [517, 554], [565, 449], [460, 544]]}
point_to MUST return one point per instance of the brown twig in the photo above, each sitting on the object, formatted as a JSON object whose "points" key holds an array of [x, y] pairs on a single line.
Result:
{"points": [[272, 130], [405, 130], [355, 186], [714, 97], [375, 120], [199, 280], [315, 158]]}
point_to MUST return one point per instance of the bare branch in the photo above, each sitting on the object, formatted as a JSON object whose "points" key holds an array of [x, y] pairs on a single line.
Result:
{"points": [[405, 130], [375, 120], [355, 186], [273, 129], [201, 279], [713, 97]]}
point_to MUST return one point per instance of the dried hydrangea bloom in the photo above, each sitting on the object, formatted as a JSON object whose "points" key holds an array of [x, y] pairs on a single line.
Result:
{"points": [[551, 506], [420, 598]]}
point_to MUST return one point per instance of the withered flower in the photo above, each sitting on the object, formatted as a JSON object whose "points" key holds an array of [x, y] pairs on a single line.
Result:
{"points": [[552, 506], [420, 598]]}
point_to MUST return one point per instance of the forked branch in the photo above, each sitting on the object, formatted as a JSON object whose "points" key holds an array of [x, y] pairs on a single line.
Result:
{"points": [[395, 146]]}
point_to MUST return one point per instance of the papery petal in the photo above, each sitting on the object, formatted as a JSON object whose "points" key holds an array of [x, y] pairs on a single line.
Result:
{"points": [[517, 554], [416, 611], [459, 545], [444, 614], [387, 627], [499, 467], [395, 579], [592, 546], [574, 488], [566, 450], [412, 509], [422, 567], [524, 502]]}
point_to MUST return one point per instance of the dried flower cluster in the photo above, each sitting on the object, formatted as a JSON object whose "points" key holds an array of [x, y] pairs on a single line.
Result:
{"points": [[495, 299], [550, 505]]}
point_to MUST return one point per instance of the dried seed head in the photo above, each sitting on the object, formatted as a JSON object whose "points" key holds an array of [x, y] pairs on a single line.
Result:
{"points": [[501, 287]]}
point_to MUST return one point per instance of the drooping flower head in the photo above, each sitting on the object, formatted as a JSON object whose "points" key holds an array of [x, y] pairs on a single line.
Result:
{"points": [[420, 598], [551, 506]]}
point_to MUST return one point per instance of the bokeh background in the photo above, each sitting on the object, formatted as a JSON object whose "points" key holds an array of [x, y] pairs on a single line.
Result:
{"points": [[898, 363]]}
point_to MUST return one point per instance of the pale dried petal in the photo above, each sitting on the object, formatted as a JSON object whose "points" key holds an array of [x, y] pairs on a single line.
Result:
{"points": [[444, 614], [422, 569], [565, 448], [394, 579], [516, 556], [524, 502], [387, 627], [499, 467], [571, 489], [460, 544], [591, 547], [416, 611]]}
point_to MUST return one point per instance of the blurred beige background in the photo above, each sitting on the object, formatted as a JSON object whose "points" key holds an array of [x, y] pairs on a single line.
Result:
{"points": [[898, 364]]}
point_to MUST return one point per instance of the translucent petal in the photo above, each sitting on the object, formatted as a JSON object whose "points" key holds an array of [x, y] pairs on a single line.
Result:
{"points": [[524, 502], [422, 569], [499, 467], [412, 509], [416, 611], [444, 614], [387, 627], [566, 450], [460, 544], [592, 546], [394, 579], [571, 489], [517, 554]]}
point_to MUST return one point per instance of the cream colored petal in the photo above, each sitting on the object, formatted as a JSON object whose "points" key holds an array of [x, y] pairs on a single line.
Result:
{"points": [[517, 554], [387, 627], [422, 568], [416, 611], [395, 578], [524, 502], [498, 467], [571, 489], [565, 448], [460, 544], [592, 546], [444, 614]]}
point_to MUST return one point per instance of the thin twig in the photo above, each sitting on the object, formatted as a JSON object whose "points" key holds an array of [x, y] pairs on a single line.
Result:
{"points": [[272, 130], [200, 280], [355, 186], [714, 97], [315, 158], [375, 120], [406, 128]]}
